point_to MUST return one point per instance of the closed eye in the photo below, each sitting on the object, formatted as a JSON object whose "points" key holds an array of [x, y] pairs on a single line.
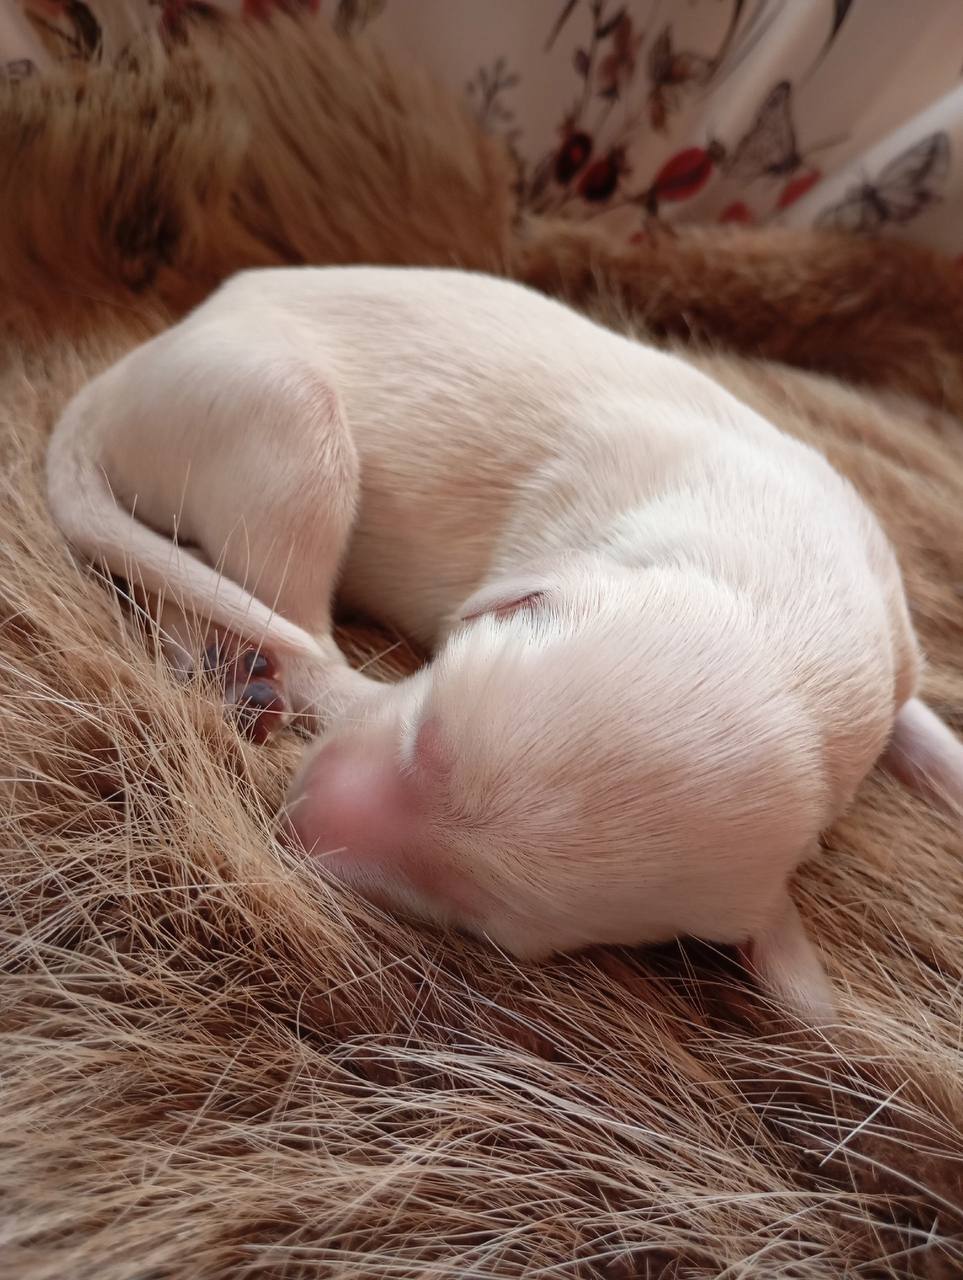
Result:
{"points": [[505, 608]]}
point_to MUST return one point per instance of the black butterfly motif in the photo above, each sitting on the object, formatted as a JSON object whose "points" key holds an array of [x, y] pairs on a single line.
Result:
{"points": [[670, 72], [902, 190], [769, 149]]}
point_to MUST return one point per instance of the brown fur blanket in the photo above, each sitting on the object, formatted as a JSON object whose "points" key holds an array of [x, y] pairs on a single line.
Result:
{"points": [[214, 1066]]}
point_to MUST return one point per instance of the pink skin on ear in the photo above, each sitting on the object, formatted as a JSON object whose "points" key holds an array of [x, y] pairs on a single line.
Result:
{"points": [[430, 755]]}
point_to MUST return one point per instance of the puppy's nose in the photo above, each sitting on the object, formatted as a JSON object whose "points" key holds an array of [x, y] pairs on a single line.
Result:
{"points": [[351, 804], [364, 819]]}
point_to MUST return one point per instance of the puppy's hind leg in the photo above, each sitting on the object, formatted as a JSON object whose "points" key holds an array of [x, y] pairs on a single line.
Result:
{"points": [[287, 544], [240, 480]]}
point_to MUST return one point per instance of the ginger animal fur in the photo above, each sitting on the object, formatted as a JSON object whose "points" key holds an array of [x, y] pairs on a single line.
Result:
{"points": [[213, 1063]]}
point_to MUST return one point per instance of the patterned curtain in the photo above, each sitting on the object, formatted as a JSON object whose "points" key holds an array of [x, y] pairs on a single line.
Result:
{"points": [[841, 113]]}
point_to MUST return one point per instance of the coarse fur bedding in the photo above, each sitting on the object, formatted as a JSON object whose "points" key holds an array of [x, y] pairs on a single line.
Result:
{"points": [[214, 1065]]}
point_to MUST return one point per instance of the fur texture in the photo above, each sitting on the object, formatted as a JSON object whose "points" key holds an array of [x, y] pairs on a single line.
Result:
{"points": [[215, 1067]]}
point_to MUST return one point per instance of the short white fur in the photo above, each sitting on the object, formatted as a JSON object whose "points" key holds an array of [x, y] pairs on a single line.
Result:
{"points": [[670, 641]]}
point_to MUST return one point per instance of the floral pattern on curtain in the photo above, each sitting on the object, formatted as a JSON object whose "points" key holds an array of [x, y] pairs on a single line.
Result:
{"points": [[839, 113]]}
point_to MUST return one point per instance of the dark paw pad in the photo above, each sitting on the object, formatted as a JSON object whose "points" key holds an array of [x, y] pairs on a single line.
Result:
{"points": [[250, 680], [259, 709]]}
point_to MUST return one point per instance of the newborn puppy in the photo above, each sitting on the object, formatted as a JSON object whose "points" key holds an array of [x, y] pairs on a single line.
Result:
{"points": [[670, 642]]}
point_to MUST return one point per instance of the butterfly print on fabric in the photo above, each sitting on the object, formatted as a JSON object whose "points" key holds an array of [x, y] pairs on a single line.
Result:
{"points": [[902, 190], [617, 66], [769, 148], [672, 71]]}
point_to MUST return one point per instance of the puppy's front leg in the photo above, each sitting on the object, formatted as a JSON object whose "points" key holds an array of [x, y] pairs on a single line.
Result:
{"points": [[261, 689], [248, 677]]}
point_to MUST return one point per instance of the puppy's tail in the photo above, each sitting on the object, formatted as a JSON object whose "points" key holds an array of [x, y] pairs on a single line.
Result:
{"points": [[927, 757], [92, 521]]}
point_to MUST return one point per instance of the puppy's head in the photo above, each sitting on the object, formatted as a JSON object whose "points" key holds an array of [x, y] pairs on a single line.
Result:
{"points": [[595, 757]]}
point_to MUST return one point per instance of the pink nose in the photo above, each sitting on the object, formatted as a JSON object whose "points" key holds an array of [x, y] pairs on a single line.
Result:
{"points": [[366, 820], [351, 803]]}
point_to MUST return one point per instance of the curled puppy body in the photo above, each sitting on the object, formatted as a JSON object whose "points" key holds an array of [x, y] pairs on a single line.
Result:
{"points": [[670, 641]]}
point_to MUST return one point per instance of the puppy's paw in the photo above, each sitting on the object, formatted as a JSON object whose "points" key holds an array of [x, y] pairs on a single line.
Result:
{"points": [[251, 681], [260, 710]]}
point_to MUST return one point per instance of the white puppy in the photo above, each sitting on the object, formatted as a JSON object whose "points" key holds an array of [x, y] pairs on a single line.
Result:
{"points": [[670, 641]]}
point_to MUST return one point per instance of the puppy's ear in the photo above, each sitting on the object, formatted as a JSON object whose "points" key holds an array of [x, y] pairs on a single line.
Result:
{"points": [[788, 966], [504, 598]]}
